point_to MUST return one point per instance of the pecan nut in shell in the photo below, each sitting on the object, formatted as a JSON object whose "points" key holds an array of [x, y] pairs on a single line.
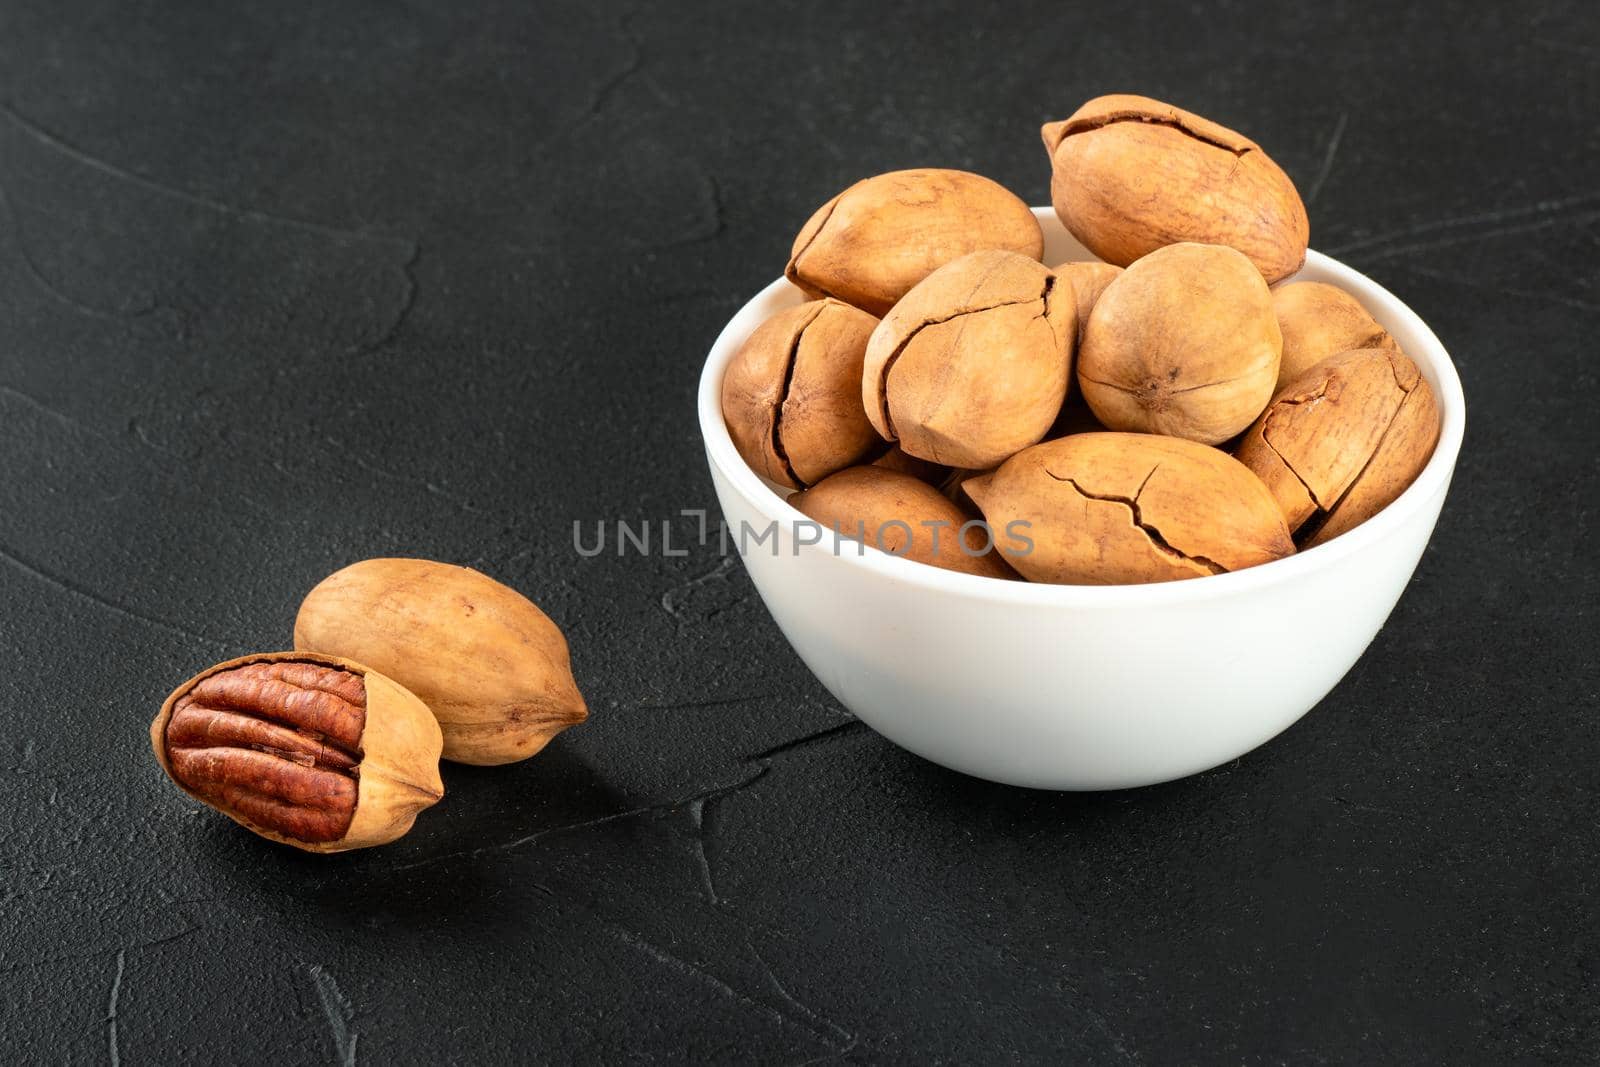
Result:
{"points": [[492, 667], [870, 244], [1131, 175], [306, 749]]}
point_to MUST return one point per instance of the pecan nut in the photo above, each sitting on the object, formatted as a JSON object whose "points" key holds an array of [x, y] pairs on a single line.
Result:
{"points": [[903, 516], [1182, 343], [1121, 508], [1319, 320], [492, 667], [870, 244], [792, 394], [973, 364], [1343, 440], [305, 749], [1131, 175]]}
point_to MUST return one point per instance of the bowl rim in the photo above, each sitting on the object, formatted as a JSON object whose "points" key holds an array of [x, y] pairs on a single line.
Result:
{"points": [[1384, 305]]}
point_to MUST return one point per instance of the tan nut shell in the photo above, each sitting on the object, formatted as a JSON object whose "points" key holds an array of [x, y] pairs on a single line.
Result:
{"points": [[870, 244], [792, 393], [1088, 279], [1131, 174], [1113, 508], [872, 502], [1320, 320], [400, 748], [1184, 342], [1343, 440], [493, 667], [974, 363]]}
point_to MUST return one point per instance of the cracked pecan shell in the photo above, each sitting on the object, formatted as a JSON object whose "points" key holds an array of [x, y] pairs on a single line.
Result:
{"points": [[973, 365], [1118, 508], [1131, 174], [1184, 342], [870, 244], [309, 750], [1343, 440], [1320, 320], [792, 394], [492, 667]]}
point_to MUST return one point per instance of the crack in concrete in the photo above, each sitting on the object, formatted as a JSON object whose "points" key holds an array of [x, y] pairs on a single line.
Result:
{"points": [[104, 603], [585, 824], [720, 985], [121, 174], [338, 1012], [114, 1043]]}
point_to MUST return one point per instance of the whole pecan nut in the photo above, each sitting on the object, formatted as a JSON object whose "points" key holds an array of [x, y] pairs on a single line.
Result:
{"points": [[1124, 508], [1131, 174], [1343, 440], [1182, 343], [792, 394], [492, 667], [309, 750], [972, 365], [872, 243]]}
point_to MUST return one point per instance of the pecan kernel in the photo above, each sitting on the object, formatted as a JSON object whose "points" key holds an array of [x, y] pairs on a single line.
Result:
{"points": [[304, 749]]}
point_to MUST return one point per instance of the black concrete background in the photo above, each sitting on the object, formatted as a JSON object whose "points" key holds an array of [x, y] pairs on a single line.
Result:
{"points": [[287, 285]]}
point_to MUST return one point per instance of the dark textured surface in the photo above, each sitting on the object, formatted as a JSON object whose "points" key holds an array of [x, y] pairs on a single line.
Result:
{"points": [[286, 285]]}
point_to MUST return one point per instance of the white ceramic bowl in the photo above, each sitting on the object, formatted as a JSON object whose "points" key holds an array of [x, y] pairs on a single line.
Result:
{"points": [[1082, 687]]}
